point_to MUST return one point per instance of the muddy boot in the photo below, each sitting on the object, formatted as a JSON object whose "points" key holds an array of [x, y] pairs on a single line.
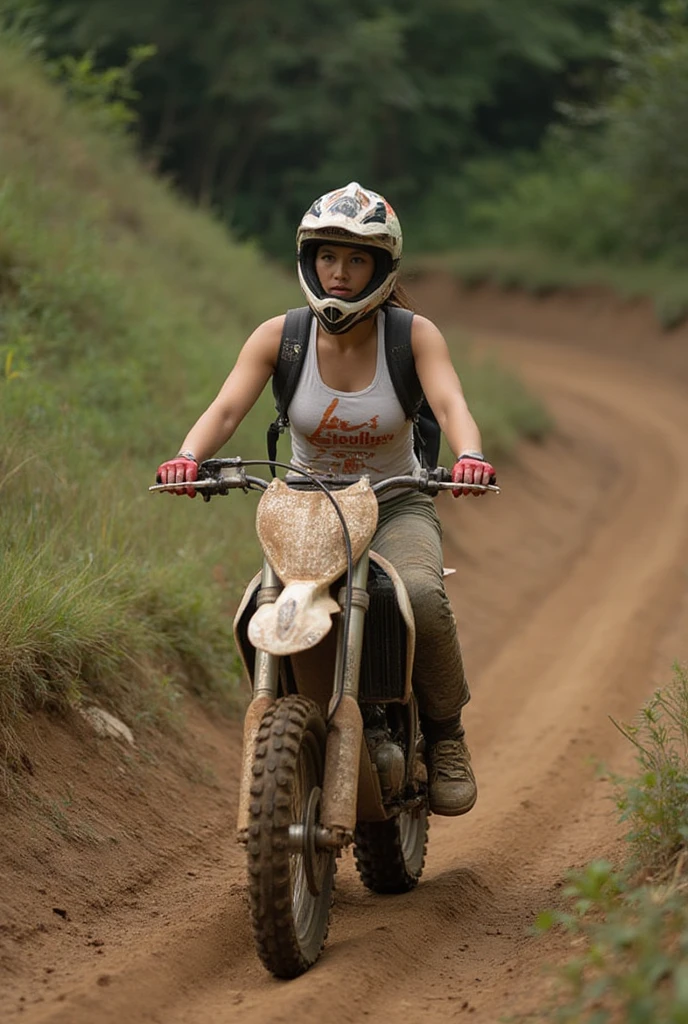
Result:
{"points": [[451, 782]]}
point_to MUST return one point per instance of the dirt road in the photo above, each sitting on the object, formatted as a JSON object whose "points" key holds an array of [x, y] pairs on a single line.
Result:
{"points": [[571, 597]]}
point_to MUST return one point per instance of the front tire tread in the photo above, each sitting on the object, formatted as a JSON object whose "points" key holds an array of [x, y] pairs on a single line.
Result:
{"points": [[286, 726]]}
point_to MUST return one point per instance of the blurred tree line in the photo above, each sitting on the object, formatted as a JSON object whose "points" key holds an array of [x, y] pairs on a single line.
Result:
{"points": [[610, 179], [517, 119], [256, 106]]}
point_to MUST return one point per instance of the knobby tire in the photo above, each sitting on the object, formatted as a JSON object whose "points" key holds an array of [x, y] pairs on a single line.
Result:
{"points": [[390, 855], [290, 922]]}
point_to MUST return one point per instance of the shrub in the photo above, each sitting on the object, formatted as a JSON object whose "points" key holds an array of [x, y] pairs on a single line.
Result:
{"points": [[655, 803], [569, 201], [632, 924]]}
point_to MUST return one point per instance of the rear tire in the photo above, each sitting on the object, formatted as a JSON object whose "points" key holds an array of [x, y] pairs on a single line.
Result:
{"points": [[390, 855], [290, 892]]}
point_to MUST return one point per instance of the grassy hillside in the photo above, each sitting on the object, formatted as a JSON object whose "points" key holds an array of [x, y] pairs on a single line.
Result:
{"points": [[121, 311]]}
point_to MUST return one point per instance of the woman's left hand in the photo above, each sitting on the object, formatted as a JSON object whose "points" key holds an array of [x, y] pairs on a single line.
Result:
{"points": [[469, 469]]}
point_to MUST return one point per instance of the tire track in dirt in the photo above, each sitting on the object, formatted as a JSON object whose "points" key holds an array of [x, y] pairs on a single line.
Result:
{"points": [[564, 593]]}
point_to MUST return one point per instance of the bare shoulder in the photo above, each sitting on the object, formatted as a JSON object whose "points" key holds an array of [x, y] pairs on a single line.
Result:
{"points": [[270, 330], [425, 335], [264, 343]]}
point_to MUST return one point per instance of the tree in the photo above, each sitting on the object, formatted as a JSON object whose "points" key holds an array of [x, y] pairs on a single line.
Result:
{"points": [[254, 107]]}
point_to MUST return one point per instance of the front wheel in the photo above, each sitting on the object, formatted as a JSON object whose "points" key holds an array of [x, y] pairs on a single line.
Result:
{"points": [[390, 855], [290, 879]]}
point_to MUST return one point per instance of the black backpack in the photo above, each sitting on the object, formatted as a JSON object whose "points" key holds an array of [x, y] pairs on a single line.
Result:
{"points": [[402, 370]]}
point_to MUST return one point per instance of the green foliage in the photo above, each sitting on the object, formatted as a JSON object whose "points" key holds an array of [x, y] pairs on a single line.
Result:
{"points": [[633, 965], [108, 95], [631, 928], [22, 22], [646, 120], [610, 184], [655, 804], [256, 109], [568, 202]]}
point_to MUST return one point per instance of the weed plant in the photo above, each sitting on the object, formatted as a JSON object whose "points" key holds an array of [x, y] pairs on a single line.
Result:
{"points": [[121, 312], [631, 924], [655, 804]]}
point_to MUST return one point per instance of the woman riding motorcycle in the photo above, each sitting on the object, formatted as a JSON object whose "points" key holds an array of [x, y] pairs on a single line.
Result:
{"points": [[345, 417]]}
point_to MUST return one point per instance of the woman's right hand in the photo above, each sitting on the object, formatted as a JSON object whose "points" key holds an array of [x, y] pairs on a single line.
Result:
{"points": [[179, 470]]}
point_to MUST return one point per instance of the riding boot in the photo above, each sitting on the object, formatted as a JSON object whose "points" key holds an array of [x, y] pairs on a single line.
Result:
{"points": [[451, 782]]}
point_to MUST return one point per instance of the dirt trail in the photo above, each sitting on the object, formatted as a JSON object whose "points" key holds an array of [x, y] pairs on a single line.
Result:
{"points": [[571, 596]]}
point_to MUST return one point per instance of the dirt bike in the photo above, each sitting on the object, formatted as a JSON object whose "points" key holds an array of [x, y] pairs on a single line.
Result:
{"points": [[333, 751]]}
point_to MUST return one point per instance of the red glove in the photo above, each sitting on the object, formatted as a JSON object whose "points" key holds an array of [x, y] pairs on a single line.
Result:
{"points": [[179, 470], [469, 469]]}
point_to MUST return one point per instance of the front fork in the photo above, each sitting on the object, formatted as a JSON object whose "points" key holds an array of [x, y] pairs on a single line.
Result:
{"points": [[345, 725]]}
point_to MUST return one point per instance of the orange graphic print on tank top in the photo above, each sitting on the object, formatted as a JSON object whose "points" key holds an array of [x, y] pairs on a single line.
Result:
{"points": [[350, 444]]}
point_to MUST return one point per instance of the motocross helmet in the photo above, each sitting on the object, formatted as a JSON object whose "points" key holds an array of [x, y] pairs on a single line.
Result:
{"points": [[352, 216]]}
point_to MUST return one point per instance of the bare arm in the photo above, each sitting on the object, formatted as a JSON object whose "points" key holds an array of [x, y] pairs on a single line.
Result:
{"points": [[238, 394], [442, 387]]}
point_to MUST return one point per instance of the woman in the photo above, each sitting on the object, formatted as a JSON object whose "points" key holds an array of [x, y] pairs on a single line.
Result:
{"points": [[345, 417]]}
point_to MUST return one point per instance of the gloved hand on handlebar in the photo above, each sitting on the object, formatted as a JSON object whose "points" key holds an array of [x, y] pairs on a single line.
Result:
{"points": [[181, 469], [472, 468]]}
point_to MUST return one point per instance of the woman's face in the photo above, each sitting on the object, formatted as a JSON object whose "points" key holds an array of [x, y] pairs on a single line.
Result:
{"points": [[343, 271]]}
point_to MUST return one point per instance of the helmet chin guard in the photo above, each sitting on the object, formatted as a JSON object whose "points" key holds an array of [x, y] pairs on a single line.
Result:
{"points": [[352, 216]]}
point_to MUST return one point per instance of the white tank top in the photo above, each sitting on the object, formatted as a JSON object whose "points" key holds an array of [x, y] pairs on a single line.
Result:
{"points": [[351, 432]]}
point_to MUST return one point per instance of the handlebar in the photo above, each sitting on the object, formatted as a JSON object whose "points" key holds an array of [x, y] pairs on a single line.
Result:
{"points": [[225, 475]]}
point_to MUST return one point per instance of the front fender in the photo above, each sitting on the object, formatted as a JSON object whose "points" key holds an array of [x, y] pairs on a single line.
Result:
{"points": [[298, 620]]}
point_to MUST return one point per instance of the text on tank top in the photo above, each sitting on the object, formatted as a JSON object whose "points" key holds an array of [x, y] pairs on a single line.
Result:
{"points": [[350, 432]]}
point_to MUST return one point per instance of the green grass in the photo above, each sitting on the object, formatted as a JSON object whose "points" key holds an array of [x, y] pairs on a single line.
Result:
{"points": [[541, 272], [630, 924], [121, 311]]}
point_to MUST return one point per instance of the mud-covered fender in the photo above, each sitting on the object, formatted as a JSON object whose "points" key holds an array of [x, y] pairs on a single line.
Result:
{"points": [[249, 605], [298, 620]]}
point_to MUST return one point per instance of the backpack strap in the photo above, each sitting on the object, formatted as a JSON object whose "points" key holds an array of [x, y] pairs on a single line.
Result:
{"points": [[402, 370], [290, 359], [400, 361]]}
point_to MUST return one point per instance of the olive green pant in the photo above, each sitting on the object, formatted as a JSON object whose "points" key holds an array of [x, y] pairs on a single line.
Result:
{"points": [[409, 535]]}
